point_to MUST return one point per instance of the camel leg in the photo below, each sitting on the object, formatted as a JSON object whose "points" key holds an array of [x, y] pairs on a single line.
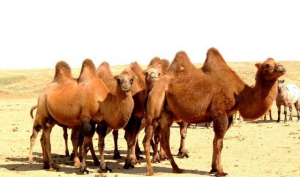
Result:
{"points": [[165, 123], [297, 109], [221, 125], [47, 148], [74, 138], [102, 132], [291, 112], [279, 112], [149, 129], [35, 130], [137, 147], [87, 142], [65, 129], [95, 159], [285, 113], [130, 160], [116, 150], [183, 131], [156, 137]]}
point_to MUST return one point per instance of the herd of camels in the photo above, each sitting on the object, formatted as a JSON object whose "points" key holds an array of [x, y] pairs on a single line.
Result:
{"points": [[150, 99]]}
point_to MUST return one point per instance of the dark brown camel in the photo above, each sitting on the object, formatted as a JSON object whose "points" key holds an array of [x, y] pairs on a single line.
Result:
{"points": [[212, 94], [134, 125], [157, 68], [80, 104]]}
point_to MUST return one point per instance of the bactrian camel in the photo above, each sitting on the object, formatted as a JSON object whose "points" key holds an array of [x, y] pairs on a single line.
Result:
{"points": [[210, 94]]}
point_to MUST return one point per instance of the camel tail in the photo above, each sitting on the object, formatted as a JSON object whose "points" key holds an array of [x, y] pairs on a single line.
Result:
{"points": [[32, 109]]}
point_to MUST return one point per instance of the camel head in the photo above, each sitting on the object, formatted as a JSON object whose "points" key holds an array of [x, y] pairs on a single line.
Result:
{"points": [[270, 69], [125, 81], [152, 74], [280, 86]]}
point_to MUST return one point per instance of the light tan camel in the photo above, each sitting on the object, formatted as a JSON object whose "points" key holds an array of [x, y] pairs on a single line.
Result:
{"points": [[80, 104], [134, 126], [212, 94], [157, 68]]}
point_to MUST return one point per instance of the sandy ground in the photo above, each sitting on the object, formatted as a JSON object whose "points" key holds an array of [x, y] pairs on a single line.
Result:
{"points": [[259, 148]]}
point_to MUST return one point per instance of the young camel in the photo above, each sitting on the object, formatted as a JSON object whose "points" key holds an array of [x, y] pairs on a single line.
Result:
{"points": [[80, 104], [157, 68], [134, 125], [287, 96], [212, 94]]}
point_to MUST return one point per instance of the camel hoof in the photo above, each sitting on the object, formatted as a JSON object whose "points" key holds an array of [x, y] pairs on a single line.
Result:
{"points": [[218, 174], [182, 155], [104, 170], [83, 171], [128, 166], [96, 163], [46, 166], [178, 170], [150, 173], [30, 160], [163, 157], [155, 159], [72, 156], [117, 156], [54, 167], [139, 157]]}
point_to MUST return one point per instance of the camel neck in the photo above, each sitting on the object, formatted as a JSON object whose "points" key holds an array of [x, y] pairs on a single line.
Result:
{"points": [[255, 101]]}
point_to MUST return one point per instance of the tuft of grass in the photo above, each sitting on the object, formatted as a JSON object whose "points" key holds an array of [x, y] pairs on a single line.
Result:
{"points": [[11, 79]]}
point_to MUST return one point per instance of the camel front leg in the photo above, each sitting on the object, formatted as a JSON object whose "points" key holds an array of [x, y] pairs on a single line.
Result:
{"points": [[116, 150], [87, 142], [297, 109], [291, 112], [65, 129], [285, 113], [279, 112], [130, 160], [74, 138], [102, 132], [165, 124], [220, 125], [182, 152], [156, 138], [149, 129]]}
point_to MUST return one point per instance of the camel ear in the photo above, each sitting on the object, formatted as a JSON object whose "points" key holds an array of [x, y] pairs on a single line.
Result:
{"points": [[117, 78], [145, 72], [258, 65]]}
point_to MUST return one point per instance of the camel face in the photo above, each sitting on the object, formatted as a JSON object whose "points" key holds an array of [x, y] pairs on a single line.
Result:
{"points": [[125, 81], [271, 70], [280, 85], [152, 74]]}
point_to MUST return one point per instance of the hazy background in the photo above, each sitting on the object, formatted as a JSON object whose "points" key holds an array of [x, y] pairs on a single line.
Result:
{"points": [[37, 34]]}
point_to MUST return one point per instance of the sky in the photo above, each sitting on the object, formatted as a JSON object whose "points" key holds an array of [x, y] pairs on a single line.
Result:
{"points": [[38, 34]]}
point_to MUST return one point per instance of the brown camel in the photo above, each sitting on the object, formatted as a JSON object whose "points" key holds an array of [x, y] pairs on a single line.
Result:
{"points": [[134, 125], [157, 68], [80, 104], [37, 127], [212, 94]]}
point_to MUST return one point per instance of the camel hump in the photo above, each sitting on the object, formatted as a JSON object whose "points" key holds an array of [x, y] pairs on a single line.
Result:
{"points": [[104, 70], [136, 67], [181, 64], [164, 65], [154, 61], [214, 61], [88, 71], [62, 70]]}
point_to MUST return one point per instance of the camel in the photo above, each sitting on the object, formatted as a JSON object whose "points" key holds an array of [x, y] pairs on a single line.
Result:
{"points": [[157, 68], [80, 104], [210, 94], [287, 96], [134, 125], [37, 127], [270, 115]]}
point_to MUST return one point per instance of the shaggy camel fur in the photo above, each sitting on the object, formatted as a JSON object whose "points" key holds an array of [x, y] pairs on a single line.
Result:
{"points": [[157, 68], [80, 104], [287, 96], [212, 94], [134, 125], [37, 127]]}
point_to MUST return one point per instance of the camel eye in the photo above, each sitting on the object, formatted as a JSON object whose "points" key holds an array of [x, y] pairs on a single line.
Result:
{"points": [[131, 80], [266, 66]]}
